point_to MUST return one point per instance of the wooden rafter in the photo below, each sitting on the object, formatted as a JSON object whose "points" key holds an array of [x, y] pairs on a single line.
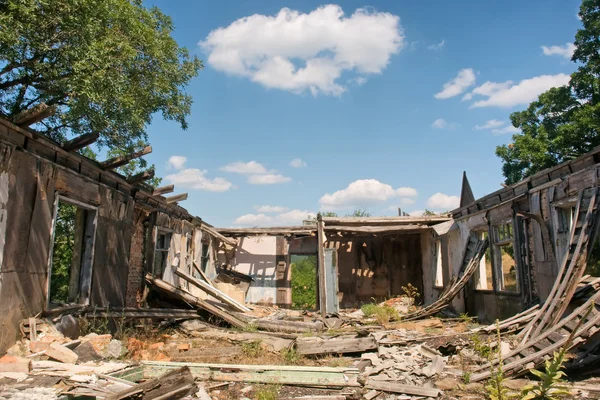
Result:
{"points": [[176, 198], [80, 142], [142, 176], [163, 190], [119, 161], [34, 114]]}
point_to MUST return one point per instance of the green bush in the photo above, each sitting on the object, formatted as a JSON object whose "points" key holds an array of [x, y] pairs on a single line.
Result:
{"points": [[383, 314], [304, 282]]}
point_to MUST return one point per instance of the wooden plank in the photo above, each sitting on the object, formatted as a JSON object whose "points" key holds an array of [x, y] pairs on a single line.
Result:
{"points": [[321, 266], [307, 346], [202, 274], [287, 326], [392, 387], [61, 353], [119, 161], [34, 115], [214, 292], [176, 198], [173, 384], [282, 230], [376, 229], [163, 190], [80, 142], [372, 221], [142, 176], [214, 233], [167, 288]]}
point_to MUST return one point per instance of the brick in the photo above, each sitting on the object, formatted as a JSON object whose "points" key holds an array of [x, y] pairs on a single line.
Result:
{"points": [[15, 364]]}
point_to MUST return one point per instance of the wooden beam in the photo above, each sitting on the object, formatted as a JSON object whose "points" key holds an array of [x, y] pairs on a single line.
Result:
{"points": [[321, 266], [142, 176], [376, 229], [282, 230], [119, 161], [176, 198], [173, 384], [219, 236], [163, 190], [33, 115], [80, 142], [375, 221]]}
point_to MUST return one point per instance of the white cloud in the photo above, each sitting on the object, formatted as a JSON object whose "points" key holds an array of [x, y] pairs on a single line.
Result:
{"points": [[416, 213], [362, 193], [565, 51], [359, 80], [177, 162], [270, 209], [292, 217], [297, 163], [240, 167], [406, 192], [297, 52], [436, 46], [506, 129], [268, 179], [442, 202], [464, 79], [507, 94], [491, 124], [405, 201], [441, 123], [194, 178]]}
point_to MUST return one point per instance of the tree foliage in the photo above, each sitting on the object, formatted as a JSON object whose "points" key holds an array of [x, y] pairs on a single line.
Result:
{"points": [[62, 252], [563, 122], [107, 66]]}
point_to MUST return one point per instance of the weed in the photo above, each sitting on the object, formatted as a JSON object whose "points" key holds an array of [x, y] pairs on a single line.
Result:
{"points": [[383, 314], [412, 293], [250, 328], [466, 377], [495, 388], [464, 317], [266, 392], [290, 355], [482, 348], [252, 349]]}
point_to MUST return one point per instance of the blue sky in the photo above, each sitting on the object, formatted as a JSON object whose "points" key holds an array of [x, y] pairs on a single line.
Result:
{"points": [[384, 106]]}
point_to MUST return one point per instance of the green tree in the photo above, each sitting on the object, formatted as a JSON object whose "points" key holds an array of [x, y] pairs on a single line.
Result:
{"points": [[359, 212], [563, 122], [62, 252], [107, 66]]}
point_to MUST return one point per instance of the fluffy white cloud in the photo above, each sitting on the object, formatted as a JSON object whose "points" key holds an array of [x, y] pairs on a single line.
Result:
{"points": [[437, 46], [177, 162], [295, 51], [507, 94], [439, 123], [268, 179], [491, 124], [240, 167], [292, 217], [416, 213], [270, 209], [405, 201], [194, 178], [565, 51], [506, 129], [464, 79], [297, 163], [442, 202], [361, 193]]}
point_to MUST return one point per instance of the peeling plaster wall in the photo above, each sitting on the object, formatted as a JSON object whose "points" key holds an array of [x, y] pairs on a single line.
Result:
{"points": [[256, 256]]}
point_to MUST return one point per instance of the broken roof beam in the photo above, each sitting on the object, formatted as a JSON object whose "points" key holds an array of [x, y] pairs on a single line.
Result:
{"points": [[376, 229], [80, 142], [176, 198], [282, 230], [373, 221], [163, 190], [142, 176], [34, 115], [211, 231], [119, 161]]}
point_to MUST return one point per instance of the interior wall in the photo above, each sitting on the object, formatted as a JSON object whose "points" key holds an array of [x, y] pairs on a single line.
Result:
{"points": [[256, 256]]}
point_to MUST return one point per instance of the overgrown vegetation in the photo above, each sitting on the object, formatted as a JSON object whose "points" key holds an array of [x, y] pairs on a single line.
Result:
{"points": [[304, 282], [62, 253], [383, 314], [290, 355], [412, 293], [252, 349], [266, 392], [495, 388]]}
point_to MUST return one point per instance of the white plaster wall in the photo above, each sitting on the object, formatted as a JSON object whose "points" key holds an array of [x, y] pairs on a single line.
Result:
{"points": [[256, 256]]}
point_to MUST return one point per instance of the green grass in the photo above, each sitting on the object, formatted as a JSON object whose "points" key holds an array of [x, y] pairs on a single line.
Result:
{"points": [[383, 314], [266, 392], [252, 349], [290, 355]]}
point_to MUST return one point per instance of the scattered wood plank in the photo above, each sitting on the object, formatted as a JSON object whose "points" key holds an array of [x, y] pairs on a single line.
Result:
{"points": [[214, 292], [269, 374], [392, 387], [307, 346], [119, 161], [34, 115], [80, 142], [287, 326], [171, 290], [61, 353], [202, 274], [163, 190], [174, 384], [176, 198], [152, 313], [142, 176]]}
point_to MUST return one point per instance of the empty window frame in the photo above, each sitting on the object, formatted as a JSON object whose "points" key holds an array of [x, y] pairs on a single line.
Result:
{"points": [[161, 251], [439, 271], [564, 217], [505, 264], [484, 275], [72, 252], [204, 256]]}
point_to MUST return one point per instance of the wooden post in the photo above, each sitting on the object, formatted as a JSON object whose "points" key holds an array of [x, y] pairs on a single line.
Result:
{"points": [[119, 161], [142, 176], [176, 198], [33, 115], [321, 268], [80, 142], [163, 190]]}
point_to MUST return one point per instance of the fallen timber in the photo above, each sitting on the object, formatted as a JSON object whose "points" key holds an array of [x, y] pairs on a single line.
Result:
{"points": [[475, 251]]}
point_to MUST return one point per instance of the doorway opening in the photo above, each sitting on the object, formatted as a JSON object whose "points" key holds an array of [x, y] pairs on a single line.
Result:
{"points": [[72, 253], [304, 281]]}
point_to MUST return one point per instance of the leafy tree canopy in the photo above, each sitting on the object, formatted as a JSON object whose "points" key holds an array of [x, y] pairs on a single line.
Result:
{"points": [[107, 66], [563, 122]]}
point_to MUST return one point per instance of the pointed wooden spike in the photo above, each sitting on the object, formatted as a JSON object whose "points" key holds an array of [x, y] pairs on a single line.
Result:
{"points": [[163, 190], [119, 161], [33, 115], [466, 194], [176, 198], [142, 176], [80, 142]]}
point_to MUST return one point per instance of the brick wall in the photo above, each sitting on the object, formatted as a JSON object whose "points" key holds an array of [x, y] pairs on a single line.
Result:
{"points": [[136, 260]]}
